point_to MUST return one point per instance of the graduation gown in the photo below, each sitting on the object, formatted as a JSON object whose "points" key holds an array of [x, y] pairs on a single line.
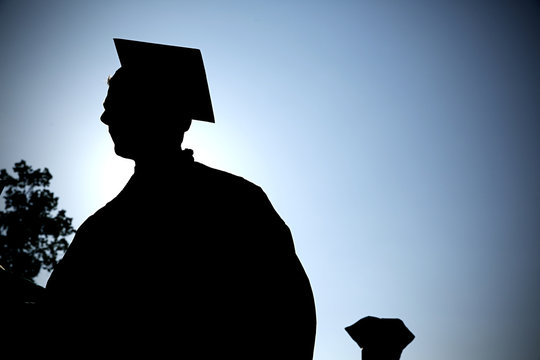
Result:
{"points": [[185, 260]]}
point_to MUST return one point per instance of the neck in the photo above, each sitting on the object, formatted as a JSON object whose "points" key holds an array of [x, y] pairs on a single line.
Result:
{"points": [[163, 162]]}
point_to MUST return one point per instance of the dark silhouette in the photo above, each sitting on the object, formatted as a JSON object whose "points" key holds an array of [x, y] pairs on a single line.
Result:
{"points": [[380, 339], [186, 259], [20, 324], [17, 291], [32, 232]]}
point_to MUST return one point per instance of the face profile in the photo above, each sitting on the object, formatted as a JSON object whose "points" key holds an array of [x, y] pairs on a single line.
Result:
{"points": [[142, 121]]}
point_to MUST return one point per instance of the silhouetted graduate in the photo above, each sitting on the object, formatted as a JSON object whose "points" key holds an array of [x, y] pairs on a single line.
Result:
{"points": [[186, 259], [380, 339]]}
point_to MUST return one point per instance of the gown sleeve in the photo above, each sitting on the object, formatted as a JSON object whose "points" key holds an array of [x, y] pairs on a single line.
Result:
{"points": [[282, 286]]}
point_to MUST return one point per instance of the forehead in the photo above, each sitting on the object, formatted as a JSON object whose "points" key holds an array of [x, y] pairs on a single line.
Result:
{"points": [[125, 84], [124, 78]]}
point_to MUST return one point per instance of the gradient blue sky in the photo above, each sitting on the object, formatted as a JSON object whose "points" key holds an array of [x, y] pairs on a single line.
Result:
{"points": [[398, 140]]}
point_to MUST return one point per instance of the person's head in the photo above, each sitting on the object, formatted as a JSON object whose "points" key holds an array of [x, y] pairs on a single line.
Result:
{"points": [[153, 97], [146, 118]]}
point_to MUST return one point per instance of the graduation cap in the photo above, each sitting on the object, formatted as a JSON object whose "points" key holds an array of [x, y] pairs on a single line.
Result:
{"points": [[380, 339], [177, 70]]}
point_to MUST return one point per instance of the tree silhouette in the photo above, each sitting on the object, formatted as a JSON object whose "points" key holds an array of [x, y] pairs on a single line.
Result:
{"points": [[32, 232]]}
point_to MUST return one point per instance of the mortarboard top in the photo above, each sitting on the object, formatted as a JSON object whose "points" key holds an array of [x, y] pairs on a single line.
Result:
{"points": [[182, 67], [378, 336]]}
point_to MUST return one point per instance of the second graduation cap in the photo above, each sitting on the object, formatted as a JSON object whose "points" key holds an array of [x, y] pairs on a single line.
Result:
{"points": [[380, 339], [181, 69]]}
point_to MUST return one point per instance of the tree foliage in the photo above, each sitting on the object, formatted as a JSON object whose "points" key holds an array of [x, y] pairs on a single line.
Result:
{"points": [[32, 231]]}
